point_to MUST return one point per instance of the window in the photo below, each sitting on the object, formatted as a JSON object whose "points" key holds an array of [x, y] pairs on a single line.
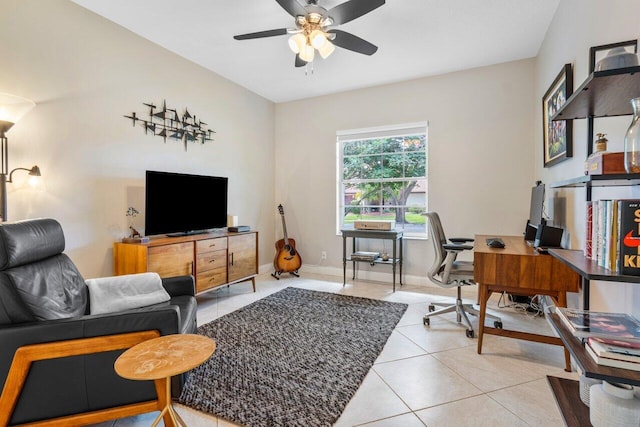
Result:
{"points": [[382, 175]]}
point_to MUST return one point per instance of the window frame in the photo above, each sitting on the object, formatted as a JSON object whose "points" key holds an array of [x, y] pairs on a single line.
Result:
{"points": [[406, 129]]}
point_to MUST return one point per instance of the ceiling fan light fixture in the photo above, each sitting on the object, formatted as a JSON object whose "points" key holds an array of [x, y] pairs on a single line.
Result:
{"points": [[318, 39], [297, 42], [307, 53], [326, 49]]}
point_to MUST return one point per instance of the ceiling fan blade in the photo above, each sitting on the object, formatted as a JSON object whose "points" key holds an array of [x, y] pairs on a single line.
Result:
{"points": [[350, 10], [349, 41], [260, 34], [292, 7], [300, 62]]}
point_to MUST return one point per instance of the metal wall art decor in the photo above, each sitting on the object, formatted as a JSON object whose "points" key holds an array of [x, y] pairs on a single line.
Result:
{"points": [[167, 123]]}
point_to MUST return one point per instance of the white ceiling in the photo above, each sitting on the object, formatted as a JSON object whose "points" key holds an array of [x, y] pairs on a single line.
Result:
{"points": [[416, 38]]}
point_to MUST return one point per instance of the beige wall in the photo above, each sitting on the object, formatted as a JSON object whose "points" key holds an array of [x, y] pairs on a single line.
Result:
{"points": [[578, 25], [480, 167], [85, 73], [485, 139]]}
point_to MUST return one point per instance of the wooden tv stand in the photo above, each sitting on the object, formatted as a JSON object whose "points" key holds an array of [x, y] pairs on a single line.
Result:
{"points": [[214, 259]]}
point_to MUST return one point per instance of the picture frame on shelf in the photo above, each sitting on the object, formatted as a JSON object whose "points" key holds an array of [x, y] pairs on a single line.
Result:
{"points": [[598, 53], [557, 135]]}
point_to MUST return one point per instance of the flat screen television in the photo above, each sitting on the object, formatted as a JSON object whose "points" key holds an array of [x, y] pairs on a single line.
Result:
{"points": [[177, 203]]}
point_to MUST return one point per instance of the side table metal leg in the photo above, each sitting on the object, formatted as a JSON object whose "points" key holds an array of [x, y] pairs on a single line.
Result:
{"points": [[401, 259], [353, 264], [393, 264], [344, 260]]}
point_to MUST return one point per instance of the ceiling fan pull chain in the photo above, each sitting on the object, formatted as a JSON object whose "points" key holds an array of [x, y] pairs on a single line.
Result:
{"points": [[306, 68]]}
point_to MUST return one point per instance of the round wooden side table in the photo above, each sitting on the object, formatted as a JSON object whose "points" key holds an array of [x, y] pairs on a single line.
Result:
{"points": [[161, 358]]}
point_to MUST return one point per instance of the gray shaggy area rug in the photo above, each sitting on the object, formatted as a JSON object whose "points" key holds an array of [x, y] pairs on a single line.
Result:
{"points": [[294, 358]]}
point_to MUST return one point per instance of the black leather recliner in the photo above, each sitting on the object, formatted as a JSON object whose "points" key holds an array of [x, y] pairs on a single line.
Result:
{"points": [[43, 299]]}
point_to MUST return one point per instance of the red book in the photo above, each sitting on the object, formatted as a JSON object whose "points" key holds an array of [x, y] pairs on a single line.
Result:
{"points": [[588, 246]]}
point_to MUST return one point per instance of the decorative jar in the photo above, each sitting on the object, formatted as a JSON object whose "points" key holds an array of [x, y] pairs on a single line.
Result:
{"points": [[632, 141], [585, 386], [600, 147]]}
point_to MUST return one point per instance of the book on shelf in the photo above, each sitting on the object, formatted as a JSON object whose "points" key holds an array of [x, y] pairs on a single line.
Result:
{"points": [[629, 237], [585, 324], [615, 349], [614, 363], [365, 256], [589, 223], [612, 237]]}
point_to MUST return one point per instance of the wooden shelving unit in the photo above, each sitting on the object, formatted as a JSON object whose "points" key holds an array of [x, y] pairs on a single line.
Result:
{"points": [[586, 363], [609, 180], [567, 392], [603, 94], [587, 268]]}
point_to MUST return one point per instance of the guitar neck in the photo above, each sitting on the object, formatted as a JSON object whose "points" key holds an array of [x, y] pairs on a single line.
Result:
{"points": [[284, 230]]}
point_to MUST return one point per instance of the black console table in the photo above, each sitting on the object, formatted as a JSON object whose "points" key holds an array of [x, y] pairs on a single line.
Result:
{"points": [[394, 259]]}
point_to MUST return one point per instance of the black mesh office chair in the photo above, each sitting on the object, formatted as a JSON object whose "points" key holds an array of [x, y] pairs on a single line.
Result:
{"points": [[447, 272]]}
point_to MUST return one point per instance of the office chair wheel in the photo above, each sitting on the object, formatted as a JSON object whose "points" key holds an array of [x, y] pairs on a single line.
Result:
{"points": [[426, 321], [497, 324], [469, 333], [432, 307]]}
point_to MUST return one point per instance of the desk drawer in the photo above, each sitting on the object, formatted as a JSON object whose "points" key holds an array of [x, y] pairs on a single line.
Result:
{"points": [[535, 272]]}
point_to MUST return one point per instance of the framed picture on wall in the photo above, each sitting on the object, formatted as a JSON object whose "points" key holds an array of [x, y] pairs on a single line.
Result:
{"points": [[557, 135], [614, 55]]}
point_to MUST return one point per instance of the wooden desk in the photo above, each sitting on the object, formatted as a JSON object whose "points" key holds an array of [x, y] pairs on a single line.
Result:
{"points": [[519, 269]]}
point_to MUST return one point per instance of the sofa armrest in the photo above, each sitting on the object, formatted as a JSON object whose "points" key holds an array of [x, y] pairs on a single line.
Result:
{"points": [[164, 319], [179, 285]]}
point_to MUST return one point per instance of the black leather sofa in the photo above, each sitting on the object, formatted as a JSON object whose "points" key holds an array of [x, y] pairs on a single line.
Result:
{"points": [[43, 299]]}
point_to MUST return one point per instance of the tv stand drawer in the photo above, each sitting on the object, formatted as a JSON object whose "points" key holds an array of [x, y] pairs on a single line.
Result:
{"points": [[209, 245], [211, 260], [211, 278]]}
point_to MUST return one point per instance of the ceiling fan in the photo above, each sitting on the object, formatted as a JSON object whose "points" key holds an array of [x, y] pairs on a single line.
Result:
{"points": [[313, 30]]}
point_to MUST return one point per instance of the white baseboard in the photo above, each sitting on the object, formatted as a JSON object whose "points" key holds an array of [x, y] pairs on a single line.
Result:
{"points": [[377, 276]]}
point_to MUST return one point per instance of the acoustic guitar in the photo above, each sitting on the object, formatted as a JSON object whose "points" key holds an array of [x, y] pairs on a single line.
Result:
{"points": [[287, 258]]}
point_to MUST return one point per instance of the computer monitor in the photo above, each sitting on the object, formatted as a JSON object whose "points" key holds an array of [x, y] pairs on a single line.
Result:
{"points": [[536, 216], [536, 209]]}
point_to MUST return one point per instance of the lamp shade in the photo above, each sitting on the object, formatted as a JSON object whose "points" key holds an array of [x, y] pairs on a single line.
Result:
{"points": [[318, 39], [12, 107], [297, 42], [307, 53], [326, 49]]}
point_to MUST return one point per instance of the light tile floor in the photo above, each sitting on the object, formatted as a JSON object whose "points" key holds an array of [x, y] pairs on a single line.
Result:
{"points": [[426, 375]]}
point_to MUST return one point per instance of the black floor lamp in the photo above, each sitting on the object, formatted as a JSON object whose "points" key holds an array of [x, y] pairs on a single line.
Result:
{"points": [[12, 108]]}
